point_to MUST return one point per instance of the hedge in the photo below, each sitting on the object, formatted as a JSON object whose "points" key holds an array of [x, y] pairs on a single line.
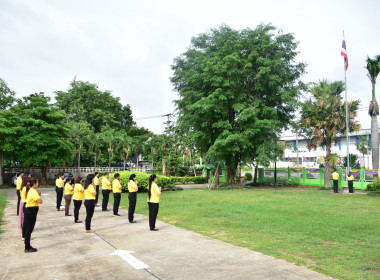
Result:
{"points": [[143, 179]]}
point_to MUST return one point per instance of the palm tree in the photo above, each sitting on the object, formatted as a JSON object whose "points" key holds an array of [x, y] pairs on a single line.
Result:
{"points": [[362, 146], [324, 118], [373, 67], [332, 159]]}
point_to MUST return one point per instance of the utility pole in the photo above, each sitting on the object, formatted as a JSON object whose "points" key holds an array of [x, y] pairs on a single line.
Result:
{"points": [[297, 146]]}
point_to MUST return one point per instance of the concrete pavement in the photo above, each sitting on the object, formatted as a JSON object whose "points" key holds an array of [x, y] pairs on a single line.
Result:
{"points": [[65, 251]]}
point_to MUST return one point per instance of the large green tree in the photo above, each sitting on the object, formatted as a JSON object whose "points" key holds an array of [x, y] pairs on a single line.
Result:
{"points": [[46, 136], [373, 68], [7, 96], [236, 90], [323, 118]]}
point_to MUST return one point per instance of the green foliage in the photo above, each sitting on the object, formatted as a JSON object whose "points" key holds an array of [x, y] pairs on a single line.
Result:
{"points": [[354, 161], [143, 179], [374, 187], [236, 90], [248, 176], [6, 95]]}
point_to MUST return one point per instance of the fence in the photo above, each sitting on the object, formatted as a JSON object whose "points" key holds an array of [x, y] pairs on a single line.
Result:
{"points": [[314, 176]]}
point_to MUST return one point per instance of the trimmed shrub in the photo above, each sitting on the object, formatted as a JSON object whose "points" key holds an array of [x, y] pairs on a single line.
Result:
{"points": [[248, 176], [374, 188]]}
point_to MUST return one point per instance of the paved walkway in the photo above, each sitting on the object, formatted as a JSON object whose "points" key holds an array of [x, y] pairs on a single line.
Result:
{"points": [[65, 251]]}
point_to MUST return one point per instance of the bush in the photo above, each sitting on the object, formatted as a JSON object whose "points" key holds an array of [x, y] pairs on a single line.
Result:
{"points": [[248, 176], [143, 179], [374, 188]]}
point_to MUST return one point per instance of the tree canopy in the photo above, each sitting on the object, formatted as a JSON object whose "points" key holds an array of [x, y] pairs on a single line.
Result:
{"points": [[237, 90]]}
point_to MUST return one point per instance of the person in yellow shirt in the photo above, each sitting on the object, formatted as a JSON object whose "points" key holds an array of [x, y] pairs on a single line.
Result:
{"points": [[18, 187], [106, 189], [116, 188], [33, 200], [21, 224], [96, 184], [132, 189], [78, 197], [68, 194], [89, 203], [350, 179], [154, 193], [335, 177], [59, 188]]}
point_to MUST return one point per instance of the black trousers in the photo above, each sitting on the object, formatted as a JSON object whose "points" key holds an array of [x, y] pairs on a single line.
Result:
{"points": [[18, 200], [77, 206], [90, 207], [30, 219], [23, 224], [106, 196], [116, 202], [153, 211], [351, 186], [335, 186], [97, 194], [132, 205], [59, 197]]}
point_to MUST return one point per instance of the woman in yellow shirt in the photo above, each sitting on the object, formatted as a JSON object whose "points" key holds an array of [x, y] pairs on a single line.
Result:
{"points": [[116, 188], [89, 203], [106, 189], [132, 189], [18, 187], [78, 197], [96, 184], [350, 180], [154, 193], [68, 194], [21, 224], [335, 177], [59, 184], [33, 200]]}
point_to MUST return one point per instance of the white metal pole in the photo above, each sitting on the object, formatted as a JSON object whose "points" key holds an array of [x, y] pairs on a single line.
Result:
{"points": [[347, 125]]}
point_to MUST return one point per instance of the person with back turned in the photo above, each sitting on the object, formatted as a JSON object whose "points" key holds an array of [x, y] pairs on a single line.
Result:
{"points": [[335, 177], [106, 189], [116, 188], [59, 188], [350, 179], [132, 189], [96, 184], [89, 203], [18, 188], [154, 193]]}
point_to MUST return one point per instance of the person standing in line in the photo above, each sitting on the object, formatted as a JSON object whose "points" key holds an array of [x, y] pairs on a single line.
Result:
{"points": [[350, 179], [106, 189], [21, 224], [59, 187], [154, 193], [116, 188], [89, 203], [335, 177], [68, 194], [33, 200], [132, 189], [18, 188], [96, 184], [78, 197]]}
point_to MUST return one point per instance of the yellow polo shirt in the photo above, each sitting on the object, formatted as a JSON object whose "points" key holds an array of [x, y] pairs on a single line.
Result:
{"points": [[22, 194], [88, 193], [78, 194], [154, 196], [31, 199], [18, 183], [68, 189], [116, 186], [106, 185], [132, 186], [96, 181], [350, 178], [335, 176], [59, 183]]}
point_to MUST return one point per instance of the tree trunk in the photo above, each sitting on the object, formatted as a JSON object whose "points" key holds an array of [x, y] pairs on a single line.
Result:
{"points": [[79, 163], [164, 168], [152, 164], [109, 160], [95, 160], [230, 175], [124, 163], [375, 142], [327, 170], [256, 172], [215, 181], [1, 167], [43, 174]]}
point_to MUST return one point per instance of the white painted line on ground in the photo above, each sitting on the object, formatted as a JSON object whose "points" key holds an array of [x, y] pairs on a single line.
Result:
{"points": [[126, 255]]}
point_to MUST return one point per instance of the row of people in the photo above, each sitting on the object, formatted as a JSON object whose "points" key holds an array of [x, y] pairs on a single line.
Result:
{"points": [[72, 189]]}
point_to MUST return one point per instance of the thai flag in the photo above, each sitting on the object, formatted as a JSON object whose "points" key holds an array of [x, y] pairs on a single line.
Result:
{"points": [[344, 52]]}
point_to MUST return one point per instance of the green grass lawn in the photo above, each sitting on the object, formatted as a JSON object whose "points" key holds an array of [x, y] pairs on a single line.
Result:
{"points": [[337, 235], [3, 201]]}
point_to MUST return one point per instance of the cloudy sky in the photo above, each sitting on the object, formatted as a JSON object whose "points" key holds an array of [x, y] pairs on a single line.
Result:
{"points": [[127, 47]]}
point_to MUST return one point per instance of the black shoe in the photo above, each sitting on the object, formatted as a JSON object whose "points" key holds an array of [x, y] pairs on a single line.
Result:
{"points": [[132, 222], [155, 229], [116, 215], [30, 250], [106, 210]]}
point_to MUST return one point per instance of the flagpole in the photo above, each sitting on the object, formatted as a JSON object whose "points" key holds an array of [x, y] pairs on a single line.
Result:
{"points": [[347, 127]]}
